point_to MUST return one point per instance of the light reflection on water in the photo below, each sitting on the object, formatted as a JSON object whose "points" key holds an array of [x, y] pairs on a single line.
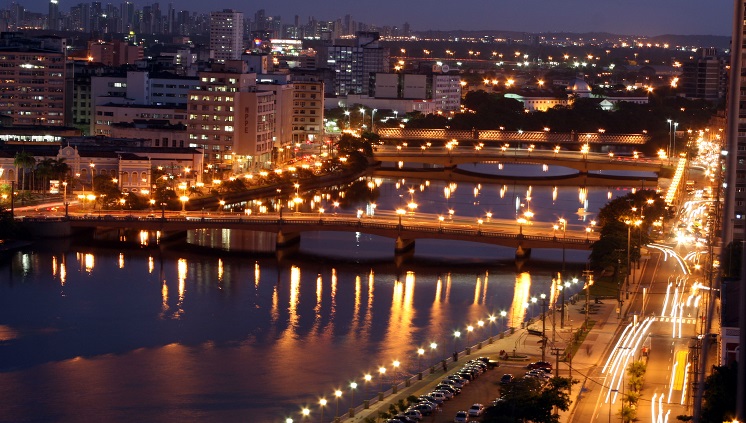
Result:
{"points": [[236, 336], [264, 341]]}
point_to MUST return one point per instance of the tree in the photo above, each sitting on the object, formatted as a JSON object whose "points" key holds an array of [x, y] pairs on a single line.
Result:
{"points": [[614, 220], [719, 398], [527, 400], [22, 162]]}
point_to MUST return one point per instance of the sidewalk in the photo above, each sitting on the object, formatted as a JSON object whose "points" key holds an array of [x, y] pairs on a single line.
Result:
{"points": [[524, 345]]}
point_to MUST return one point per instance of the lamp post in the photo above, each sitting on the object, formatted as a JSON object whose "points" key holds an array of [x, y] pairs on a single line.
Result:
{"points": [[64, 198], [322, 404], [305, 412], [367, 378], [434, 347], [337, 394], [521, 222], [469, 330], [372, 120], [400, 213], [381, 372], [92, 165], [456, 336], [543, 326], [353, 386], [362, 111], [420, 352]]}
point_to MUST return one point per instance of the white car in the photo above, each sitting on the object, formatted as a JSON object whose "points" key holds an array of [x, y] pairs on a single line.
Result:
{"points": [[476, 410]]}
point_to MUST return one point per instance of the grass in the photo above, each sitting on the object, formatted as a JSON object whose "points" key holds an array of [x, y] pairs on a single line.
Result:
{"points": [[604, 286], [578, 338]]}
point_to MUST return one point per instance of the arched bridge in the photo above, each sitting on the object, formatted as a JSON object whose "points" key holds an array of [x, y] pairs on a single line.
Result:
{"points": [[405, 231], [494, 135], [583, 162]]}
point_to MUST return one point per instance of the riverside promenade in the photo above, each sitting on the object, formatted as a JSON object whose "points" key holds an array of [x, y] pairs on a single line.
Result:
{"points": [[522, 347]]}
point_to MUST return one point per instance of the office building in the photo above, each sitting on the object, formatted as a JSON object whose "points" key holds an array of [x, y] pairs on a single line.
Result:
{"points": [[231, 119], [32, 71], [354, 63], [226, 34], [705, 77], [53, 19]]}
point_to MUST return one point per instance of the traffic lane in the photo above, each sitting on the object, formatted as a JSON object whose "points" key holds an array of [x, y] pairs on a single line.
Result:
{"points": [[482, 390]]}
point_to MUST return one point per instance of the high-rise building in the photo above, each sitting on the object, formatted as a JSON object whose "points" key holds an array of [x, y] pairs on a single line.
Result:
{"points": [[705, 76], [33, 89], [231, 119], [353, 65], [53, 19], [226, 34]]}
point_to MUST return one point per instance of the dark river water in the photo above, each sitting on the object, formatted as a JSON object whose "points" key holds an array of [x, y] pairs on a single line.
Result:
{"points": [[100, 331]]}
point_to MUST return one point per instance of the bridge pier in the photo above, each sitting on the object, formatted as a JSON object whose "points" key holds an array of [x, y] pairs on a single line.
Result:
{"points": [[522, 253], [403, 245], [285, 240]]}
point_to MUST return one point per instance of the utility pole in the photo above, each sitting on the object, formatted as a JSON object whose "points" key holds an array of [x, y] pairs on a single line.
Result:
{"points": [[588, 274], [543, 326]]}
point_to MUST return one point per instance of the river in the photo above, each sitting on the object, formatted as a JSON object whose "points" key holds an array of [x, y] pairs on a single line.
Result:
{"points": [[100, 331]]}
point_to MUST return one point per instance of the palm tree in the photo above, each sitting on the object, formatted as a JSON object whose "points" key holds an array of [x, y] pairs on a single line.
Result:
{"points": [[45, 170], [23, 161]]}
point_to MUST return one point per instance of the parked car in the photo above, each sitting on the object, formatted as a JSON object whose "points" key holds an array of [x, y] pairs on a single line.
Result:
{"points": [[544, 365], [506, 378], [461, 417], [453, 382], [430, 398], [444, 387], [423, 409], [476, 410], [458, 378], [441, 395], [447, 394]]}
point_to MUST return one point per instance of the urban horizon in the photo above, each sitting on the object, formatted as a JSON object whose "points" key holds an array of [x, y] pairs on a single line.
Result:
{"points": [[660, 18]]}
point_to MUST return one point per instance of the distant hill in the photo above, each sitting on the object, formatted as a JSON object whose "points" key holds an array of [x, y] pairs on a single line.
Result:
{"points": [[718, 41]]}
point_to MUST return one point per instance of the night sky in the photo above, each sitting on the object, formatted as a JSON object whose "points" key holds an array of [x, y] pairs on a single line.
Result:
{"points": [[633, 17]]}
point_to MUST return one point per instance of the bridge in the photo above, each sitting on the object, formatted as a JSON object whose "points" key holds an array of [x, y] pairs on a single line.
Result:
{"points": [[536, 137], [583, 162], [465, 176], [404, 229]]}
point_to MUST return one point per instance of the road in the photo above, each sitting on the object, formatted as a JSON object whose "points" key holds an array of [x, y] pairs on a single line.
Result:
{"points": [[661, 323]]}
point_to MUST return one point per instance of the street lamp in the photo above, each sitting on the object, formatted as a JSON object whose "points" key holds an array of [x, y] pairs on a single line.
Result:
{"points": [[400, 213], [322, 404], [305, 412], [362, 111], [183, 200], [543, 326], [469, 330], [504, 314], [382, 372], [420, 352], [456, 336], [337, 394], [521, 221], [64, 198], [372, 120], [353, 386]]}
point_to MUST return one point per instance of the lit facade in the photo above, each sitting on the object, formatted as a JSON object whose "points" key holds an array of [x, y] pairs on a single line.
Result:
{"points": [[32, 88]]}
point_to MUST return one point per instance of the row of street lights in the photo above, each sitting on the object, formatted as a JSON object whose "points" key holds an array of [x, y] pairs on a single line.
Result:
{"points": [[395, 366]]}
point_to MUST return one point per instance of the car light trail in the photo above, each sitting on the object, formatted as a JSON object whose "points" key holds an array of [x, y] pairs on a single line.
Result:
{"points": [[629, 342]]}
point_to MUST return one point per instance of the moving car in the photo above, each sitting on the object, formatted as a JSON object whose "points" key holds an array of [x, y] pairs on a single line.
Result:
{"points": [[461, 417], [476, 410]]}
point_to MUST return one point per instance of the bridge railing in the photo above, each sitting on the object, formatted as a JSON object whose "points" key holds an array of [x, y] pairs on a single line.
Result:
{"points": [[335, 221]]}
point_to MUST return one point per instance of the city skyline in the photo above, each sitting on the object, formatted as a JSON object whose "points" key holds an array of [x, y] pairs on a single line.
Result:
{"points": [[686, 17]]}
